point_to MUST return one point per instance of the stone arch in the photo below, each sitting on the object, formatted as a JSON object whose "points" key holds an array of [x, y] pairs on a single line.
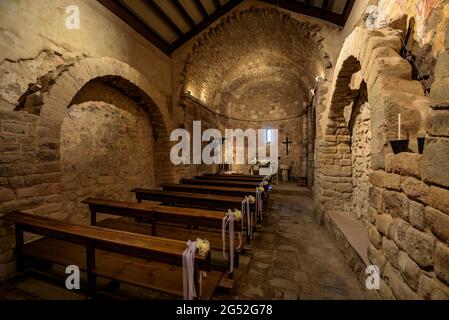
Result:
{"points": [[59, 88], [371, 57], [300, 50]]}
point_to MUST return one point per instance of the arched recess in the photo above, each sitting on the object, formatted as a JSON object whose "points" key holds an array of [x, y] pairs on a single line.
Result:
{"points": [[255, 66], [57, 92], [372, 58]]}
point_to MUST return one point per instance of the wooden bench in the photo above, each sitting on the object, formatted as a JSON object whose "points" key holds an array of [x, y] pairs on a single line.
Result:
{"points": [[204, 189], [146, 261], [209, 201], [223, 183], [181, 221], [235, 175], [228, 177]]}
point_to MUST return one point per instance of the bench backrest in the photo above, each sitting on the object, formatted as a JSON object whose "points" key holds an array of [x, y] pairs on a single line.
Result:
{"points": [[160, 195], [132, 244], [224, 183], [235, 191], [154, 213], [231, 178]]}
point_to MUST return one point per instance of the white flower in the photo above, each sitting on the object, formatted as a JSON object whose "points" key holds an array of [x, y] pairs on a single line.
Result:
{"points": [[237, 214], [261, 189], [267, 178], [203, 246], [251, 199], [265, 183]]}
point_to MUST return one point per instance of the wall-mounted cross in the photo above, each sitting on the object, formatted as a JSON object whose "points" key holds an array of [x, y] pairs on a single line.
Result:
{"points": [[287, 142]]}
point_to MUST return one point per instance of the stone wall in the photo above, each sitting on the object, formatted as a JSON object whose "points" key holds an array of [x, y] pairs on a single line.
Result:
{"points": [[106, 148], [249, 70], [407, 210], [35, 140], [409, 230]]}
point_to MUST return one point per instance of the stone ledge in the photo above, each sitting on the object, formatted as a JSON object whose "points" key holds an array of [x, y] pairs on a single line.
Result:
{"points": [[354, 232], [353, 238]]}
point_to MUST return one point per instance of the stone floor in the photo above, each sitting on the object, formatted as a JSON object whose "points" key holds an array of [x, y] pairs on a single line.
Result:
{"points": [[294, 258], [291, 258]]}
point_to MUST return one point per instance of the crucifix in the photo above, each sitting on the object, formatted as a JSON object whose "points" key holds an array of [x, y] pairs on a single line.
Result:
{"points": [[287, 142]]}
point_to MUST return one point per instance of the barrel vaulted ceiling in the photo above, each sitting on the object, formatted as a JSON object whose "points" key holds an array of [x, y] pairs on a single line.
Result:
{"points": [[168, 24]]}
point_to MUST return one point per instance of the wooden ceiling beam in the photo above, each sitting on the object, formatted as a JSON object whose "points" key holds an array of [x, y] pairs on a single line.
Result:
{"points": [[347, 11], [167, 20], [325, 6], [199, 5], [217, 4], [206, 23], [310, 10], [184, 13], [125, 14]]}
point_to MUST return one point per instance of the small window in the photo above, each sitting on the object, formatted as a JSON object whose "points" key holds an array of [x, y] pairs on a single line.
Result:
{"points": [[268, 135]]}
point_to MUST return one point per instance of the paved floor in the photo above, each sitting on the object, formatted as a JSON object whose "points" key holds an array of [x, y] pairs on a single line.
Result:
{"points": [[295, 258], [292, 258]]}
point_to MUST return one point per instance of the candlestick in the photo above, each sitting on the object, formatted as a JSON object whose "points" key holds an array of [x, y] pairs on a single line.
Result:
{"points": [[399, 127]]}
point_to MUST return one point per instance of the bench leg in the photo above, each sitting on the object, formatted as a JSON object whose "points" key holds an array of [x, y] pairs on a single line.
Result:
{"points": [[20, 261], [90, 263]]}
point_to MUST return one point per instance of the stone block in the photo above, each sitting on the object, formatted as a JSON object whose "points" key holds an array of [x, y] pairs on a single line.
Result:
{"points": [[38, 190], [442, 66], [376, 257], [391, 251], [439, 96], [410, 271], [435, 165], [416, 189], [438, 123], [17, 128], [6, 195], [396, 204], [420, 246], [377, 178], [383, 223], [372, 215], [376, 198], [404, 164], [416, 215], [439, 199], [438, 222], [400, 289], [442, 263], [374, 236], [398, 231]]}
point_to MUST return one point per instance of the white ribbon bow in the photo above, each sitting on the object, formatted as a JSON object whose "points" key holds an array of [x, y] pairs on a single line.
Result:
{"points": [[259, 204], [228, 220], [188, 271], [249, 216]]}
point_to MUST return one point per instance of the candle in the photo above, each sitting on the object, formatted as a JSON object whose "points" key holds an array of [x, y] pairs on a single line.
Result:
{"points": [[399, 127]]}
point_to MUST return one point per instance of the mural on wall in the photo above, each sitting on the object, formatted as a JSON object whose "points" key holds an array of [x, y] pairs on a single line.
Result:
{"points": [[429, 23]]}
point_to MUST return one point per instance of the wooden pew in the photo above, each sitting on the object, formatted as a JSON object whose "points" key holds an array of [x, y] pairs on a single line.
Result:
{"points": [[146, 261], [209, 201], [204, 189], [223, 183], [150, 218], [228, 177], [235, 175]]}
